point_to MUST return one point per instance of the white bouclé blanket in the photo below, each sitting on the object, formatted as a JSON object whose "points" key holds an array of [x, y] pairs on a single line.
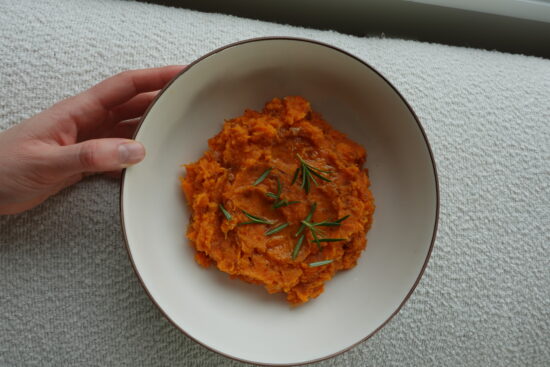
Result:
{"points": [[69, 297]]}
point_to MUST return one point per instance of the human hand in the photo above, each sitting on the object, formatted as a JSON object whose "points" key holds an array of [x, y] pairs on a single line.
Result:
{"points": [[87, 133]]}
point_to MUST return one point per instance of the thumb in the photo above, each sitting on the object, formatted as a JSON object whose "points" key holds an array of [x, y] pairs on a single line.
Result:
{"points": [[100, 155]]}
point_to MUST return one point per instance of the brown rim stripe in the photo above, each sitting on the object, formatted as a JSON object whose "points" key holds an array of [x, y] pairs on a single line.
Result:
{"points": [[297, 39]]}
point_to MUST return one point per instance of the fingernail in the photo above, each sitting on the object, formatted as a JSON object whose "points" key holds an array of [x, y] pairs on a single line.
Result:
{"points": [[130, 153]]}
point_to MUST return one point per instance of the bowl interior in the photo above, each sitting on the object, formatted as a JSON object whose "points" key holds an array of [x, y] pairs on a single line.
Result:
{"points": [[242, 320]]}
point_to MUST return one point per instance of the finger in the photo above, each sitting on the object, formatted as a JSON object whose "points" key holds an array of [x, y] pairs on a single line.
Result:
{"points": [[91, 107], [126, 111], [98, 155], [123, 86], [124, 129], [133, 108]]}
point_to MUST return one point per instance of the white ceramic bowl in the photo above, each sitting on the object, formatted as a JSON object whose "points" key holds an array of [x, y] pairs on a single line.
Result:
{"points": [[240, 320]]}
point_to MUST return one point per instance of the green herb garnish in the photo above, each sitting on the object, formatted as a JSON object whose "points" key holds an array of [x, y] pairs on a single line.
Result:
{"points": [[332, 224], [298, 246], [296, 173], [254, 219], [271, 195], [276, 229], [262, 177], [282, 203], [316, 232], [308, 173], [320, 263], [308, 218], [225, 212], [278, 201]]}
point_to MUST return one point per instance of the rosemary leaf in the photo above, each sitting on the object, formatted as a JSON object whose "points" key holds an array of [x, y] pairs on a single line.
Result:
{"points": [[316, 240], [311, 211], [319, 170], [256, 219], [282, 203], [310, 166], [305, 179], [320, 263], [276, 229], [343, 218], [295, 175], [262, 177], [332, 224], [320, 176], [326, 224], [312, 178], [271, 195], [298, 246], [225, 212], [305, 222], [249, 222], [300, 230]]}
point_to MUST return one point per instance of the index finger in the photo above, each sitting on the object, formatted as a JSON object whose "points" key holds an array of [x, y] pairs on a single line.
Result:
{"points": [[123, 86], [90, 108]]}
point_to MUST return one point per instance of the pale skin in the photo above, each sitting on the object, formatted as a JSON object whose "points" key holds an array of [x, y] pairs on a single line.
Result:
{"points": [[81, 135]]}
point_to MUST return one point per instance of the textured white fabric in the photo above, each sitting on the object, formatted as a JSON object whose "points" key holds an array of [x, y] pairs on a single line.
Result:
{"points": [[68, 295]]}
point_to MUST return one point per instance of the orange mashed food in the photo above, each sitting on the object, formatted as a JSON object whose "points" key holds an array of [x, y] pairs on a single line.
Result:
{"points": [[237, 157]]}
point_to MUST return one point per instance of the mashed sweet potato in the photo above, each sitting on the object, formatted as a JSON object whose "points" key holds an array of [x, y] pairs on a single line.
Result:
{"points": [[269, 144]]}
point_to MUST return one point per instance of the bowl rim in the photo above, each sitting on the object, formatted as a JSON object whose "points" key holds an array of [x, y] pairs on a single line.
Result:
{"points": [[437, 205]]}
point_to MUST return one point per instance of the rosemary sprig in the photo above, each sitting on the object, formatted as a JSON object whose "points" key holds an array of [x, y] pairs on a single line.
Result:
{"points": [[309, 173], [225, 212], [278, 201], [276, 229], [316, 232], [254, 219], [320, 263], [262, 177], [279, 188]]}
